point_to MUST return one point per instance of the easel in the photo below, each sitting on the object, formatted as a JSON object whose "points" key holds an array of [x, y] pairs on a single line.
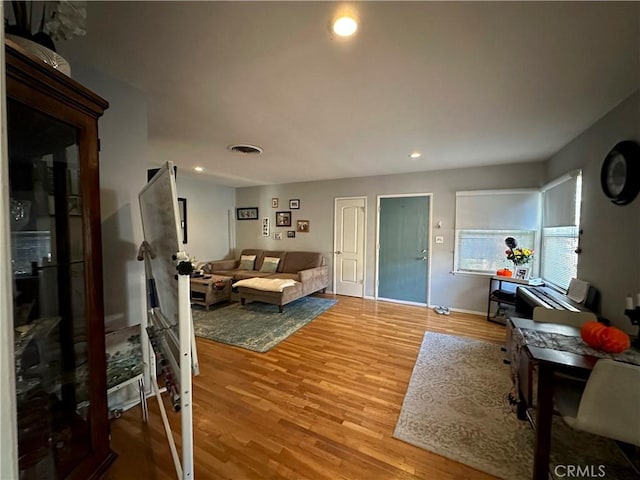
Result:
{"points": [[172, 340]]}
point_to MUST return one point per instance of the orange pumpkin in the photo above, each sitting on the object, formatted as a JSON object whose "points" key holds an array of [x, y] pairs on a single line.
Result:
{"points": [[504, 272], [615, 340], [592, 332], [607, 339]]}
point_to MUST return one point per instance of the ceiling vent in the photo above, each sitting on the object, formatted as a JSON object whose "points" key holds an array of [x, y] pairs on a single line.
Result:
{"points": [[245, 149]]}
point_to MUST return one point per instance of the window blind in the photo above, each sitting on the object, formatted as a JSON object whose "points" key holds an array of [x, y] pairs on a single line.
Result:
{"points": [[498, 210], [560, 229], [484, 218]]}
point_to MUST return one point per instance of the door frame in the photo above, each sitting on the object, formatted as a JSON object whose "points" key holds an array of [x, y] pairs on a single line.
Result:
{"points": [[429, 261], [364, 247]]}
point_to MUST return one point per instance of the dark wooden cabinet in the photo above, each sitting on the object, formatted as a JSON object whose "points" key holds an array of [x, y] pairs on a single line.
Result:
{"points": [[56, 257]]}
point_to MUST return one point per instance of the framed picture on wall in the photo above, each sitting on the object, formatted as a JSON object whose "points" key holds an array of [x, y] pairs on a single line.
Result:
{"points": [[291, 234], [302, 226], [294, 204], [247, 213], [182, 208], [283, 219], [274, 203]]}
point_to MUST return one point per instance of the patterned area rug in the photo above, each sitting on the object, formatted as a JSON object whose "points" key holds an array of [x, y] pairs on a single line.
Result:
{"points": [[456, 407], [256, 326]]}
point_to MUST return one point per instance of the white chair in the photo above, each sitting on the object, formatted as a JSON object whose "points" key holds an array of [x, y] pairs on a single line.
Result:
{"points": [[563, 317], [609, 405]]}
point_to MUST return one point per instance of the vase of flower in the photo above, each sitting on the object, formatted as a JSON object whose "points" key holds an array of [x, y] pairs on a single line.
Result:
{"points": [[519, 256]]}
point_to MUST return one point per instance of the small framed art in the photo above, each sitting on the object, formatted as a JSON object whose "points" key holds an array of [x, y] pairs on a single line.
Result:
{"points": [[521, 273], [294, 204], [291, 234], [283, 219], [302, 226], [247, 213], [274, 203]]}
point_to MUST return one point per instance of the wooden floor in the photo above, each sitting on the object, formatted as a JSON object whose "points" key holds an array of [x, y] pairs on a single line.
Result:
{"points": [[321, 405]]}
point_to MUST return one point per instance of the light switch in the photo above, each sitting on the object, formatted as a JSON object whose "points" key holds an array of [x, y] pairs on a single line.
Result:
{"points": [[439, 239]]}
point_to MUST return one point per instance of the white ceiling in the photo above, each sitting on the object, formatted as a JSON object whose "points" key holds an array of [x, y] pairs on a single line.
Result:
{"points": [[466, 84]]}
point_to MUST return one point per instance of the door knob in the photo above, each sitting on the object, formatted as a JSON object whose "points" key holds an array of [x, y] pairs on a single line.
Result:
{"points": [[338, 252], [423, 250], [424, 259]]}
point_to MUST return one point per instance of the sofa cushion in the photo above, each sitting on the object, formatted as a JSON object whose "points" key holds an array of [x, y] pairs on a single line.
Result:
{"points": [[247, 262], [273, 254], [296, 261], [270, 264], [242, 274], [258, 253]]}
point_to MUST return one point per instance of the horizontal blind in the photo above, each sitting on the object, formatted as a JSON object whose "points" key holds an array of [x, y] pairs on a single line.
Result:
{"points": [[498, 210], [559, 262], [560, 201], [560, 229]]}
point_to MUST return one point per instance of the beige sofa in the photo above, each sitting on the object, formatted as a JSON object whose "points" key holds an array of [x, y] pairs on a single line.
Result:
{"points": [[308, 270]]}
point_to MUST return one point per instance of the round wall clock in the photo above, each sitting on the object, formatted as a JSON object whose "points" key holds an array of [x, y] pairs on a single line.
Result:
{"points": [[620, 174]]}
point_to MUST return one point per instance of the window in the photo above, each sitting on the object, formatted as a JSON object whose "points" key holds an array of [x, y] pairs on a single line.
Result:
{"points": [[560, 229], [483, 251], [485, 218]]}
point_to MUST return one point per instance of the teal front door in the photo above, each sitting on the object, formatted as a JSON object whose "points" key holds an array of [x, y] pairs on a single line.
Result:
{"points": [[403, 255]]}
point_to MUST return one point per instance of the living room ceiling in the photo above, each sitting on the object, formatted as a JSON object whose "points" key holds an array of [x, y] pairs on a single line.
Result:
{"points": [[465, 84]]}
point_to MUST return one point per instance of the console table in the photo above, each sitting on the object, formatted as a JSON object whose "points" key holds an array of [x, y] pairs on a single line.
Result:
{"points": [[205, 293], [495, 297]]}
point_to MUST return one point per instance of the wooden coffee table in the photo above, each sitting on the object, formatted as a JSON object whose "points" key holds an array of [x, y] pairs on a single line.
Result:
{"points": [[205, 293]]}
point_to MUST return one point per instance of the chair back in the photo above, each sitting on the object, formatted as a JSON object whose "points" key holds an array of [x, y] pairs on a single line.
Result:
{"points": [[610, 404], [563, 317]]}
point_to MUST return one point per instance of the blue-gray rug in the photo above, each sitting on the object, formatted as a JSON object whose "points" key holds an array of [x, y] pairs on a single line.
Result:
{"points": [[256, 326]]}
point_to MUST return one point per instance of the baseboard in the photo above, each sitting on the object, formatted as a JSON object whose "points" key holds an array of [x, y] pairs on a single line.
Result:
{"points": [[459, 310], [473, 312], [402, 302]]}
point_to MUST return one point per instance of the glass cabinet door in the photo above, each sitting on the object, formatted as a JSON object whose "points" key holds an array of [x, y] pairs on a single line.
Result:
{"points": [[48, 265]]}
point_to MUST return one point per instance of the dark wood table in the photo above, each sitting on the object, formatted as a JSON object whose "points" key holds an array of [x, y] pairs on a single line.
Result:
{"points": [[549, 363]]}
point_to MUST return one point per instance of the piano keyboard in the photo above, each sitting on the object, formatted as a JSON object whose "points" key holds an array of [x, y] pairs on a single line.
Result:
{"points": [[542, 297]]}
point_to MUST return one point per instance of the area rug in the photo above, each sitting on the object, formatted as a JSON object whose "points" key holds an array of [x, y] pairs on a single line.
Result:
{"points": [[456, 407], [257, 326]]}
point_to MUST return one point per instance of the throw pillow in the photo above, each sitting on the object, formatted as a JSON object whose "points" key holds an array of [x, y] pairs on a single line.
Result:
{"points": [[270, 264], [246, 262]]}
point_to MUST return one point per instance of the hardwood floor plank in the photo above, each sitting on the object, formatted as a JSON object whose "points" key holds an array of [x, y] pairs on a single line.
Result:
{"points": [[321, 405]]}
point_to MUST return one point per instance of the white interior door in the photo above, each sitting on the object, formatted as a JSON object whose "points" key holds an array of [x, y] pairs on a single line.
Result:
{"points": [[348, 255]]}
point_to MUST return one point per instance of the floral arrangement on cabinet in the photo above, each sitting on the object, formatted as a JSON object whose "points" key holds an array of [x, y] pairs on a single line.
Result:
{"points": [[519, 256]]}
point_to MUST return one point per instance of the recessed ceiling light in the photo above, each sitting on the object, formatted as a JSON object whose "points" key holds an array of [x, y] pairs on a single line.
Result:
{"points": [[198, 169], [415, 155], [345, 26]]}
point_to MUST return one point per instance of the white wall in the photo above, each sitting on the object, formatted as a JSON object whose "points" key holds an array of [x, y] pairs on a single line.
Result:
{"points": [[610, 258], [208, 208], [123, 172], [317, 203]]}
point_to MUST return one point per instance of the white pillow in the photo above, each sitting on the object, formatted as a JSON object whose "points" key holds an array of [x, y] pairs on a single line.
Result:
{"points": [[247, 262]]}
